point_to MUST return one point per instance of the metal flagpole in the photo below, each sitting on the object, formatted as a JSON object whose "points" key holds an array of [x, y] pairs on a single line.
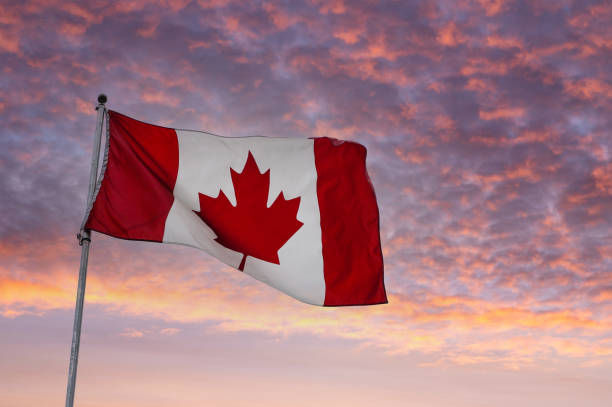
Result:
{"points": [[84, 237]]}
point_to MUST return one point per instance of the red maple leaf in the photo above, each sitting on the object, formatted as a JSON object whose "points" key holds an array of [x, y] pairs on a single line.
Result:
{"points": [[251, 227]]}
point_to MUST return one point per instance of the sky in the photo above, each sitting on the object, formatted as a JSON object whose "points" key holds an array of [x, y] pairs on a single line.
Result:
{"points": [[487, 124]]}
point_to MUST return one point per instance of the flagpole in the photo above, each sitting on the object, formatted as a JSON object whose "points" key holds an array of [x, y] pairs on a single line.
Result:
{"points": [[84, 237]]}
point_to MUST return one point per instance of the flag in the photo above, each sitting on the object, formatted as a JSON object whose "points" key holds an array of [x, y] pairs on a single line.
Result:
{"points": [[297, 214]]}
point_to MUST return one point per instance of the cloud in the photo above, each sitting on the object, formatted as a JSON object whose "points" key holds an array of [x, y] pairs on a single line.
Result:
{"points": [[132, 333], [502, 113], [487, 125], [589, 88], [449, 35], [493, 7], [140, 281]]}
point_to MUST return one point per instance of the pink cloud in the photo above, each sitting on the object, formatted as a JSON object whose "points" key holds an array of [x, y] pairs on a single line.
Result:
{"points": [[497, 41], [449, 35], [603, 178], [588, 88], [502, 113], [493, 7]]}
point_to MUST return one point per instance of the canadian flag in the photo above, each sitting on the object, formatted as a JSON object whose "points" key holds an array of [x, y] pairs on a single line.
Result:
{"points": [[297, 214]]}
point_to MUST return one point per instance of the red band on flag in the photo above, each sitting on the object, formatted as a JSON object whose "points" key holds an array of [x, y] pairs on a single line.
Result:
{"points": [[352, 256], [136, 195]]}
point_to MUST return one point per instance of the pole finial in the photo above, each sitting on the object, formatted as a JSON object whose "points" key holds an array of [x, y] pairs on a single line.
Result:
{"points": [[102, 98]]}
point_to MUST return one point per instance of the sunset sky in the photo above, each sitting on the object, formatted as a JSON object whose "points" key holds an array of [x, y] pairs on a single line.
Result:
{"points": [[488, 125]]}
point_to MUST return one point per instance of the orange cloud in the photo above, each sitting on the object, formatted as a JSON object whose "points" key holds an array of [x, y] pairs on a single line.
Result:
{"points": [[444, 122], [149, 30], [19, 297], [493, 7], [378, 47], [331, 6], [406, 323], [450, 36], [588, 88], [479, 85], [81, 12], [73, 30], [353, 66], [593, 14], [169, 331], [280, 17], [502, 113], [208, 4], [594, 145], [437, 87], [159, 97], [528, 170], [349, 36], [580, 198], [603, 178], [526, 136], [84, 107], [9, 42], [503, 42], [413, 157], [476, 65], [132, 333]]}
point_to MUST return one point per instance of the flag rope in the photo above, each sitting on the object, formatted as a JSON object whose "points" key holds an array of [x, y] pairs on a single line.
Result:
{"points": [[84, 241]]}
